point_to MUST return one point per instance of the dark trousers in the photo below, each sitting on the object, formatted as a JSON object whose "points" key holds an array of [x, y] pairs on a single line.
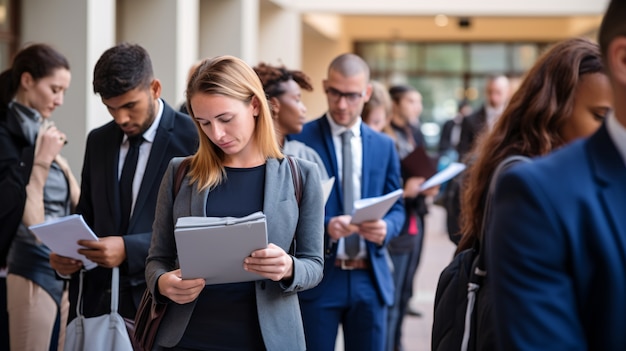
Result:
{"points": [[396, 311], [351, 300], [4, 316], [405, 268]]}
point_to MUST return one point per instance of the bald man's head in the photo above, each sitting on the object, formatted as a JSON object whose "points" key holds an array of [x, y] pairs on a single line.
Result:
{"points": [[497, 91], [349, 65]]}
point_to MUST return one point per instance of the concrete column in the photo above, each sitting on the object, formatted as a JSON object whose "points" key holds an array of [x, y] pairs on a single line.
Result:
{"points": [[230, 27], [81, 30], [169, 31], [280, 36]]}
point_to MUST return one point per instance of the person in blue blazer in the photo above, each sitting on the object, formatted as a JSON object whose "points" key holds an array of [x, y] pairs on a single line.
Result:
{"points": [[558, 244], [354, 292], [124, 79]]}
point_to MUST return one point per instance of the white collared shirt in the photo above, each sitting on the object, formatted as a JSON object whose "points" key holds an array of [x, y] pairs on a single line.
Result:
{"points": [[144, 153], [492, 114], [357, 167], [617, 132]]}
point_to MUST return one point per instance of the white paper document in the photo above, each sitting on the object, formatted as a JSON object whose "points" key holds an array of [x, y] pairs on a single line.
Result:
{"points": [[374, 208], [214, 248], [444, 175], [61, 236]]}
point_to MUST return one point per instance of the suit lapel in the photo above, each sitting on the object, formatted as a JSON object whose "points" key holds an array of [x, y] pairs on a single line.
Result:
{"points": [[271, 196], [483, 117], [329, 148], [111, 167], [198, 202], [158, 155], [365, 173], [610, 174]]}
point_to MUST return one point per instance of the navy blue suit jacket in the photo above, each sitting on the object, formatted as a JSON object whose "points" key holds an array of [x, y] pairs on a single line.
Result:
{"points": [[557, 250], [99, 203], [381, 175]]}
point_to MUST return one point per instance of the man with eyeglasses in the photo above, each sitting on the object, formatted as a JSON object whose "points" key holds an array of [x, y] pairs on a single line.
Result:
{"points": [[357, 286]]}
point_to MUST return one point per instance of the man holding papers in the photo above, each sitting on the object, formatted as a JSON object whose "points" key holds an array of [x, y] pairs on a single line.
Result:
{"points": [[124, 162], [357, 286]]}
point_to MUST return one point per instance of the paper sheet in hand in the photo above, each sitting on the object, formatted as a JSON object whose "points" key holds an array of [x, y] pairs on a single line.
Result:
{"points": [[373, 208], [446, 174], [61, 234], [214, 248]]}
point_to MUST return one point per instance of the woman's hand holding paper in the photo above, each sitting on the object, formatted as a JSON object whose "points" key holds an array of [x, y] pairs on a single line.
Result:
{"points": [[272, 263]]}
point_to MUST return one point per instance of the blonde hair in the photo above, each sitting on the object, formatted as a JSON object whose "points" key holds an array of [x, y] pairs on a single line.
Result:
{"points": [[380, 97], [231, 77]]}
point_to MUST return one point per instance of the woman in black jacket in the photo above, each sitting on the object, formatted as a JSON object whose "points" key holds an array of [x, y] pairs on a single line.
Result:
{"points": [[37, 185]]}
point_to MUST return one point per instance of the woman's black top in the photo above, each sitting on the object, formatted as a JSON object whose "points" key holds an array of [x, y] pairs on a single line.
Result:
{"points": [[225, 316]]}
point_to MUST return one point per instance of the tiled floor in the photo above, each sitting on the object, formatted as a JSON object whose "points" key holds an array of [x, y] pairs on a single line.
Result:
{"points": [[437, 253]]}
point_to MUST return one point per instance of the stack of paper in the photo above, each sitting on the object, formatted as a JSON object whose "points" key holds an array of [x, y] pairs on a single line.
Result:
{"points": [[214, 248], [61, 236]]}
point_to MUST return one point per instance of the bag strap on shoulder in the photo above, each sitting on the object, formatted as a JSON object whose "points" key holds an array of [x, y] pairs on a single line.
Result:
{"points": [[479, 268], [181, 172], [502, 167], [296, 176]]}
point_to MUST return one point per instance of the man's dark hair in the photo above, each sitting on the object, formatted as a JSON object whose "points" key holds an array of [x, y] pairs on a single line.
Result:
{"points": [[613, 25], [121, 69], [398, 91]]}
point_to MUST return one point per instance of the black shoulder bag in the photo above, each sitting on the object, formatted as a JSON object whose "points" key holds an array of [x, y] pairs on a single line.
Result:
{"points": [[462, 302]]}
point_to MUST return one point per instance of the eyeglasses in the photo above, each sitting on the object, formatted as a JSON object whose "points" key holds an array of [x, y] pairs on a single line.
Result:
{"points": [[351, 97]]}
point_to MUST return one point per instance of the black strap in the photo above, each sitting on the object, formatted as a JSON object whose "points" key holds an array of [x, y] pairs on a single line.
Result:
{"points": [[480, 267], [296, 177], [181, 172]]}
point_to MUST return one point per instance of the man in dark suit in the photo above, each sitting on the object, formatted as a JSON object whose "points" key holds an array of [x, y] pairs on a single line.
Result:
{"points": [[357, 286], [451, 130], [124, 79], [558, 253], [497, 95]]}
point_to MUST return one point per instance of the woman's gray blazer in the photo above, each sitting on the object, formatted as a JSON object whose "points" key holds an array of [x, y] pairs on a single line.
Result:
{"points": [[277, 305]]}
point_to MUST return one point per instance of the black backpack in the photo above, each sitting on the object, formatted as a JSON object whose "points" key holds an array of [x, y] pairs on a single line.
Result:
{"points": [[462, 317]]}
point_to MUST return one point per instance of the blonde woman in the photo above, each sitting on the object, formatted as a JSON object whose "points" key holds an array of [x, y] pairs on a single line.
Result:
{"points": [[238, 170]]}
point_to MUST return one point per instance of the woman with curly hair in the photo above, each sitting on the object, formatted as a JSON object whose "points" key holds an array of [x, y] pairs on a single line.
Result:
{"points": [[283, 90]]}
